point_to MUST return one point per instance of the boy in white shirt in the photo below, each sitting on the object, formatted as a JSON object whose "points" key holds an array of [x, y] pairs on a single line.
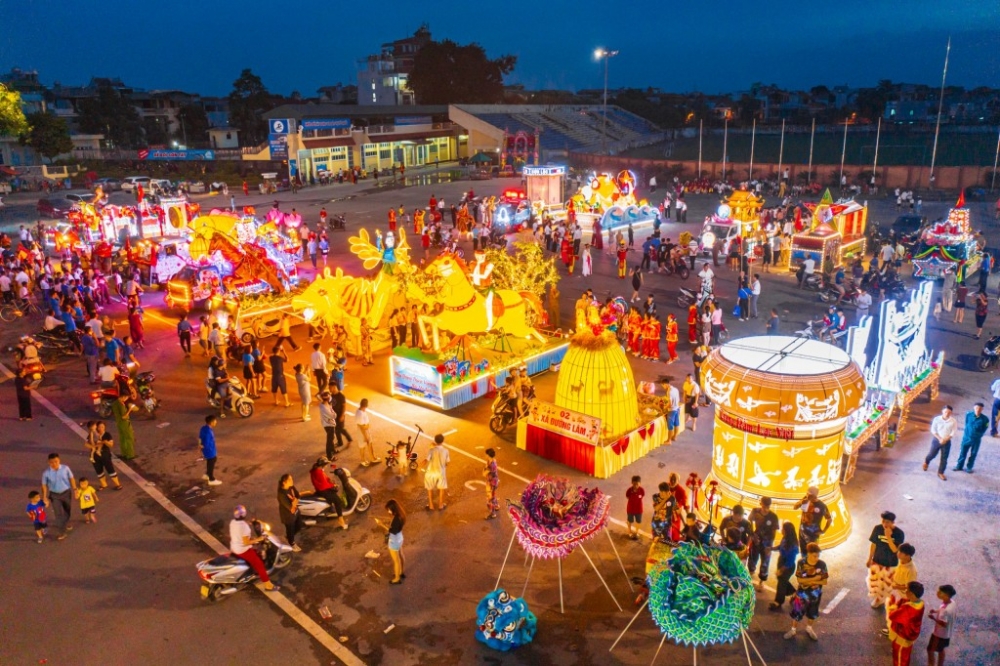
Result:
{"points": [[944, 620]]}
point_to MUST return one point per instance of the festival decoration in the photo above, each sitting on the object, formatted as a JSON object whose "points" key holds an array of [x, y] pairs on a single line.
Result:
{"points": [[251, 263], [554, 518], [781, 409], [504, 622], [949, 247], [737, 217], [835, 233]]}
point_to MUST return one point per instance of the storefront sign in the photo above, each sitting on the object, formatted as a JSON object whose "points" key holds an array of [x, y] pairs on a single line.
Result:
{"points": [[567, 422], [279, 146], [415, 380], [177, 155], [756, 428], [280, 125], [325, 123], [544, 170], [414, 120]]}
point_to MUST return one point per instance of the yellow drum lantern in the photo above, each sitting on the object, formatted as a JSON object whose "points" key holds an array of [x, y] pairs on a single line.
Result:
{"points": [[781, 410]]}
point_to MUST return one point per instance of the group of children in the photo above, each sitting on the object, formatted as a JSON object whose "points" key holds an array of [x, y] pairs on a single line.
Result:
{"points": [[86, 494], [642, 334]]}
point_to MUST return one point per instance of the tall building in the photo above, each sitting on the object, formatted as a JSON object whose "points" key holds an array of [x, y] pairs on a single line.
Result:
{"points": [[382, 78]]}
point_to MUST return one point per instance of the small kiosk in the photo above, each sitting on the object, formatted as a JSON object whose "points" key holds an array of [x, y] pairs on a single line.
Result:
{"points": [[544, 184]]}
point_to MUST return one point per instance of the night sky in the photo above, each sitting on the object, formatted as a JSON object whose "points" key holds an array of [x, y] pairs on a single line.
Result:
{"points": [[720, 46]]}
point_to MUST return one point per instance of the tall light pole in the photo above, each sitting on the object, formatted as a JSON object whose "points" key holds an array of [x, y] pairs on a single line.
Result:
{"points": [[606, 55]]}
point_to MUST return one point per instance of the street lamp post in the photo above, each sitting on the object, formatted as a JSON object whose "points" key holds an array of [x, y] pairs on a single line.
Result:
{"points": [[606, 55]]}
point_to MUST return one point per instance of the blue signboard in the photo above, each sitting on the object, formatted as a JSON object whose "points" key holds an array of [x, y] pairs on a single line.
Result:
{"points": [[414, 120], [279, 126], [177, 155], [419, 381], [325, 123], [279, 146]]}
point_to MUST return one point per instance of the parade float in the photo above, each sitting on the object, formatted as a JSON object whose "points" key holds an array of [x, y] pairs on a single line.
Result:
{"points": [[612, 201], [781, 409], [948, 246], [555, 517], [737, 217], [834, 235], [599, 421], [510, 211]]}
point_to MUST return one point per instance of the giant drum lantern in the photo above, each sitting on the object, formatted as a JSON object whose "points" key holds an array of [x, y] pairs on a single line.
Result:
{"points": [[781, 410]]}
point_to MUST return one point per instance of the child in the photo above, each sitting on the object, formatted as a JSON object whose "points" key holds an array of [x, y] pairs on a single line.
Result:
{"points": [[938, 308], [691, 532], [363, 421], [944, 620], [904, 623], [811, 574], [36, 511], [633, 509], [87, 495]]}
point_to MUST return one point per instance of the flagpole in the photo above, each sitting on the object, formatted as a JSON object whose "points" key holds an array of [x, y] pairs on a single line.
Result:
{"points": [[753, 141], [781, 147], [996, 158], [843, 153], [878, 134], [812, 136], [937, 125], [725, 139], [701, 126]]}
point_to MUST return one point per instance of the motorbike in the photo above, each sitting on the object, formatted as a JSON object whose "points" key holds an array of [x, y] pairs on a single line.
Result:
{"points": [[813, 328], [337, 222], [991, 353], [226, 574], [354, 496], [504, 413], [813, 281], [238, 400], [678, 268], [140, 392], [686, 297], [29, 359], [452, 248], [392, 455], [830, 295]]}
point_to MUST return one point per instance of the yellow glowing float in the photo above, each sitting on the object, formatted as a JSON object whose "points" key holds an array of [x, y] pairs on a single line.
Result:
{"points": [[781, 408]]}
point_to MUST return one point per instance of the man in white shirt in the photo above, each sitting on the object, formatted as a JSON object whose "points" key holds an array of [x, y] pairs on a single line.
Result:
{"points": [[94, 324], [942, 430], [809, 266], [886, 254], [754, 295], [52, 322], [5, 283], [317, 362], [863, 303]]}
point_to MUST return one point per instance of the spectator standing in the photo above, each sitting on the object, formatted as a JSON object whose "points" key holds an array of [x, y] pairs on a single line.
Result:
{"points": [[122, 411], [814, 513], [976, 425], [278, 359], [885, 541], [36, 511], [788, 552], [906, 620], [691, 393], [982, 310], [995, 390], [317, 362], [305, 390], [905, 573], [328, 419], [961, 296], [436, 474], [811, 574], [943, 428], [339, 402], [363, 421], [755, 289], [773, 323], [492, 475], [395, 539], [57, 484], [184, 334], [764, 527], [633, 507], [22, 389], [288, 509], [944, 619], [206, 437]]}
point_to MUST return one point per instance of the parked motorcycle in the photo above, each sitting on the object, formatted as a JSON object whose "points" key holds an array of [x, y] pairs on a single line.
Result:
{"points": [[140, 392], [354, 496], [991, 353], [686, 297], [238, 400], [226, 574], [408, 457], [337, 222]]}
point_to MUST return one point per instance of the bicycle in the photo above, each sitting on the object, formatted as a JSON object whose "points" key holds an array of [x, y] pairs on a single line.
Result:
{"points": [[11, 311]]}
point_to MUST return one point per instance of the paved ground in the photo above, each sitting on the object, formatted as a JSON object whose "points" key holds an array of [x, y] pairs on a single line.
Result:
{"points": [[133, 572]]}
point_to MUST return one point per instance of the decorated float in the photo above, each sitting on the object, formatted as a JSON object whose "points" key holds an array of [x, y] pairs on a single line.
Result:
{"points": [[612, 201], [949, 246], [834, 235], [781, 409], [737, 217], [599, 421]]}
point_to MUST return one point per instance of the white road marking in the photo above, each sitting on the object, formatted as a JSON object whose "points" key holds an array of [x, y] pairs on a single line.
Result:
{"points": [[279, 600], [835, 601], [472, 483]]}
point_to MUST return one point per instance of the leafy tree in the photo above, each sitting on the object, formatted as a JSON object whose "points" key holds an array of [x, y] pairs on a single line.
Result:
{"points": [[48, 134], [194, 124], [247, 102], [12, 120], [110, 113], [448, 73], [155, 129], [527, 269]]}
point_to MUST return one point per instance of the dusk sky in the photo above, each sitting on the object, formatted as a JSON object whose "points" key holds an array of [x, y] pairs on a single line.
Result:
{"points": [[201, 46]]}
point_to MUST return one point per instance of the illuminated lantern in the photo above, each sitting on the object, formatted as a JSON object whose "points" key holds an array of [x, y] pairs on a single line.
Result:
{"points": [[596, 379], [782, 405]]}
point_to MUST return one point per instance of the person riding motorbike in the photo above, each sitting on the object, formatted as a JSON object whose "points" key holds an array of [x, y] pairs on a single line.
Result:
{"points": [[325, 487], [512, 396], [29, 349], [834, 322], [242, 542], [218, 380]]}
